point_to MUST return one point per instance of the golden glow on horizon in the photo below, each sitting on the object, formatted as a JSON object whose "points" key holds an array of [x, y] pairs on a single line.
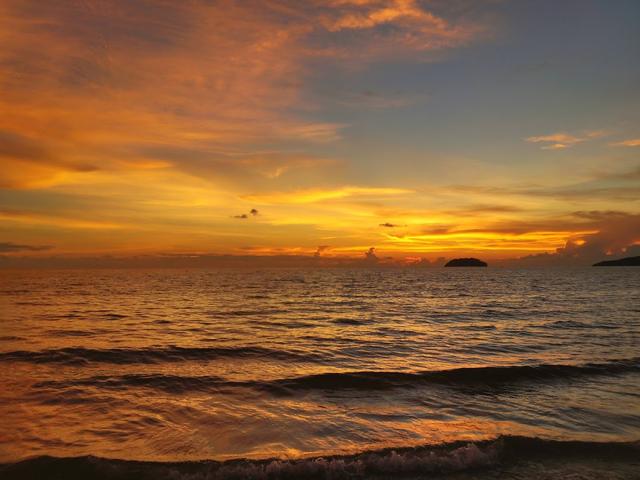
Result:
{"points": [[127, 129]]}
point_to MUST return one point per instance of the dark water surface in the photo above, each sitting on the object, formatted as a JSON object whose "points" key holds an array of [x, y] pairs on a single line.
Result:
{"points": [[182, 365]]}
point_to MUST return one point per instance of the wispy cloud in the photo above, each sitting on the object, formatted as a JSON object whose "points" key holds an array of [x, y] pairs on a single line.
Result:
{"points": [[54, 220], [562, 140], [10, 247], [320, 195], [168, 122], [413, 26], [633, 142], [375, 100], [187, 75]]}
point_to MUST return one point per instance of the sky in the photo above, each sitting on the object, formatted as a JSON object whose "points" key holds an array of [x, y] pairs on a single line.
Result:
{"points": [[379, 129]]}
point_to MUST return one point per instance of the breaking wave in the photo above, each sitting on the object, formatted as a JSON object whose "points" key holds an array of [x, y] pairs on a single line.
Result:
{"points": [[389, 463]]}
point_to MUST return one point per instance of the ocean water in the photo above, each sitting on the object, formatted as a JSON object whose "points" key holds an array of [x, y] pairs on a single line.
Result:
{"points": [[303, 365]]}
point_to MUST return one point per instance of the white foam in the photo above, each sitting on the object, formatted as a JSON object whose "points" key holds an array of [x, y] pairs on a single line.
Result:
{"points": [[385, 463]]}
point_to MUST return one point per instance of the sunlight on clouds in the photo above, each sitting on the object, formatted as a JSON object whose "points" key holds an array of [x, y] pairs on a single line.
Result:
{"points": [[27, 218], [119, 75], [634, 142], [556, 141], [378, 13], [415, 27], [318, 195], [167, 121], [559, 141]]}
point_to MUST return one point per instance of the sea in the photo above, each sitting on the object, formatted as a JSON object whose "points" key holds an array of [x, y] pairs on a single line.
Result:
{"points": [[320, 373]]}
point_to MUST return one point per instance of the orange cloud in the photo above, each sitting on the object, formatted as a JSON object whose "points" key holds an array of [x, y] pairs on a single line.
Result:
{"points": [[164, 120], [58, 221], [319, 195], [209, 77], [634, 142], [372, 14], [559, 141], [415, 28], [556, 141]]}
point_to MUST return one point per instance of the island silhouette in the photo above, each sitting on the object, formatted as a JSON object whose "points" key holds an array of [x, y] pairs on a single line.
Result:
{"points": [[621, 262], [465, 262]]}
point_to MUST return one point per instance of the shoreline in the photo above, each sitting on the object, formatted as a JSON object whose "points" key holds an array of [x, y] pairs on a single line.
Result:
{"points": [[505, 457]]}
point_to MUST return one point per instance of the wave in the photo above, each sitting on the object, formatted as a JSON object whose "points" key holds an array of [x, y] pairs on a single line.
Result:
{"points": [[348, 321], [484, 459], [478, 376], [168, 383], [482, 377], [573, 324], [83, 356]]}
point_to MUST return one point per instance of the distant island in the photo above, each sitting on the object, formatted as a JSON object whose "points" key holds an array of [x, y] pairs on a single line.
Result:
{"points": [[465, 262], [622, 262]]}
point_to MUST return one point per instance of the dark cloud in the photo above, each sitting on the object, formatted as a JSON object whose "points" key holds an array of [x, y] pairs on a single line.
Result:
{"points": [[621, 186], [388, 225], [243, 216], [13, 145], [600, 215], [97, 32], [25, 157], [617, 235], [620, 193], [370, 255], [8, 247], [630, 175]]}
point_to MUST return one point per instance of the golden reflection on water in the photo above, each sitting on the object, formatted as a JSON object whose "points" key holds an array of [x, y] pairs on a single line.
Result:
{"points": [[176, 365]]}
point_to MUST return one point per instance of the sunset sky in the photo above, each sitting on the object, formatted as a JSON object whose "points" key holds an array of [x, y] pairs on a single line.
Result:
{"points": [[497, 128]]}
